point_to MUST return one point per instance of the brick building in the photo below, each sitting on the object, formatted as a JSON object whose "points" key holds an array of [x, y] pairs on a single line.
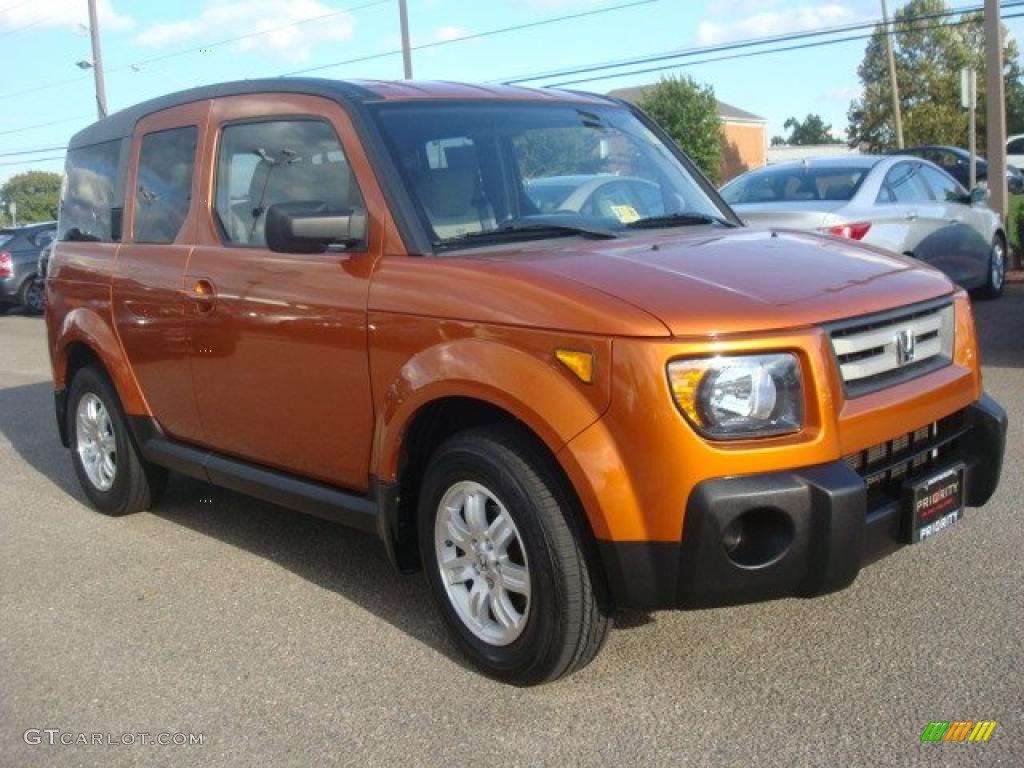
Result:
{"points": [[744, 135]]}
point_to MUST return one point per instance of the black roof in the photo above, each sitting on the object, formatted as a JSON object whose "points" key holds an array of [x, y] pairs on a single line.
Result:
{"points": [[121, 124]]}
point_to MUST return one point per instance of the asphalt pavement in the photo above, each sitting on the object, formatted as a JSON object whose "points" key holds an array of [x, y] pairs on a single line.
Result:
{"points": [[285, 640]]}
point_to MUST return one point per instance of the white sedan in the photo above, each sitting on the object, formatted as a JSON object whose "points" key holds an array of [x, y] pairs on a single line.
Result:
{"points": [[902, 204]]}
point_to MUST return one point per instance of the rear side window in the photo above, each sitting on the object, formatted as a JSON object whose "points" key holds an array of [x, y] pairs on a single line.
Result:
{"points": [[796, 184], [945, 187], [89, 193], [164, 191], [44, 237], [279, 161], [1016, 146], [903, 184]]}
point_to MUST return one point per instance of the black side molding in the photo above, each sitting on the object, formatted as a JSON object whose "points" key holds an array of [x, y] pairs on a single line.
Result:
{"points": [[313, 498], [60, 405]]}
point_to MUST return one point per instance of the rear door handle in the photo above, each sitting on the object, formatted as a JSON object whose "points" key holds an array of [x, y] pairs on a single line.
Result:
{"points": [[204, 295], [911, 216]]}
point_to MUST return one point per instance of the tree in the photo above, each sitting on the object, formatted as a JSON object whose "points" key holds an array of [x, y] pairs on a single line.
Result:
{"points": [[812, 130], [36, 193], [688, 112], [929, 56]]}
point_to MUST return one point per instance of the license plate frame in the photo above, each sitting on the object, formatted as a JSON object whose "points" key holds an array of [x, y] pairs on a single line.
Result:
{"points": [[933, 503]]}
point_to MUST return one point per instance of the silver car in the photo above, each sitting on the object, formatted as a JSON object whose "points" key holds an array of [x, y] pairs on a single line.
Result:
{"points": [[902, 204]]}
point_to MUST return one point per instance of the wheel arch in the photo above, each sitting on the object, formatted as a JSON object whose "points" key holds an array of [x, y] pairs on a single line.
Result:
{"points": [[445, 390], [85, 338], [430, 427]]}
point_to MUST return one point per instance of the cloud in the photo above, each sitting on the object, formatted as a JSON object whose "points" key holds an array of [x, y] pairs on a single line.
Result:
{"points": [[843, 94], [556, 5], [289, 43], [40, 14], [736, 7], [444, 34], [771, 23]]}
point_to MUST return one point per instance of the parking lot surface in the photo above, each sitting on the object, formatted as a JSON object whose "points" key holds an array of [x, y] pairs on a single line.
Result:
{"points": [[284, 640]]}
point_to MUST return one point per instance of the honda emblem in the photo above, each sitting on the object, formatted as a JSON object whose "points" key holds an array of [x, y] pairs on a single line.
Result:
{"points": [[905, 347]]}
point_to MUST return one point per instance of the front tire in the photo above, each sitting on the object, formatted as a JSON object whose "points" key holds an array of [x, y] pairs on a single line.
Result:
{"points": [[507, 558], [996, 281], [110, 470]]}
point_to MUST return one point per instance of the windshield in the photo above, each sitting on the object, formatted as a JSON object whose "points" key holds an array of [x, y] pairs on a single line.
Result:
{"points": [[536, 170], [795, 184]]}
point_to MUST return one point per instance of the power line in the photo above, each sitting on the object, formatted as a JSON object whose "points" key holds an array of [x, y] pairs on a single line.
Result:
{"points": [[44, 125], [598, 67], [135, 65], [476, 36], [248, 35], [35, 160], [33, 23], [31, 151], [16, 5], [739, 44], [749, 54]]}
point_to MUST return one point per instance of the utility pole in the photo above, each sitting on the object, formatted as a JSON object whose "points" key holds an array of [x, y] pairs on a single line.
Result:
{"points": [[97, 62], [897, 115], [403, 19], [969, 101], [995, 98]]}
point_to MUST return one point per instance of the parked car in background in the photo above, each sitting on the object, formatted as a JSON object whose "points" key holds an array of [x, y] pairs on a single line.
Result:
{"points": [[42, 265], [1015, 150], [956, 162], [607, 195], [901, 204], [19, 255]]}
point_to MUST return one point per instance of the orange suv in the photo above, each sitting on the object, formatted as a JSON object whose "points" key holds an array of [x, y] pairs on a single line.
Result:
{"points": [[518, 335]]}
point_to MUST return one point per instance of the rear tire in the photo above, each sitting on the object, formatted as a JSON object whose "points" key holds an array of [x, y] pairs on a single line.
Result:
{"points": [[549, 615], [996, 280], [32, 297], [110, 470]]}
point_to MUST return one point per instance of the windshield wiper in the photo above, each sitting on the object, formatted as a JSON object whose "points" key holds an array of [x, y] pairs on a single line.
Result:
{"points": [[678, 220], [514, 230]]}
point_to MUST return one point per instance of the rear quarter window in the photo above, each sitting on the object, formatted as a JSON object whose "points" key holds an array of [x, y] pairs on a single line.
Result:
{"points": [[90, 192], [164, 192]]}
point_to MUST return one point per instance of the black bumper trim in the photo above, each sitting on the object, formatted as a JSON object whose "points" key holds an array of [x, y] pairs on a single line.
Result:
{"points": [[833, 534]]}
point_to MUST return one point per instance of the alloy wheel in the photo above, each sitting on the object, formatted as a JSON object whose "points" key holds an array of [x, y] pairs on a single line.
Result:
{"points": [[483, 563], [96, 442], [998, 265]]}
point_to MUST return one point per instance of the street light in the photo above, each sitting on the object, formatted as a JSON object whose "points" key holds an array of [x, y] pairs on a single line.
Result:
{"points": [[84, 64]]}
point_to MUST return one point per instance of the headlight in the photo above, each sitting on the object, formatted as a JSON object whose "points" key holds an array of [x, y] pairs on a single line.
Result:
{"points": [[733, 398]]}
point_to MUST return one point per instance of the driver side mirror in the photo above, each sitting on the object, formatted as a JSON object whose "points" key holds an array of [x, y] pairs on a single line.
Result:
{"points": [[979, 195], [309, 227]]}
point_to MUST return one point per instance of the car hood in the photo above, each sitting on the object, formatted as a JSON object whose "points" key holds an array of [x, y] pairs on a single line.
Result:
{"points": [[707, 281]]}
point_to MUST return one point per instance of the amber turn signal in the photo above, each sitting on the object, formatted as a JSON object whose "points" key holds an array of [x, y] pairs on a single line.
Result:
{"points": [[580, 363]]}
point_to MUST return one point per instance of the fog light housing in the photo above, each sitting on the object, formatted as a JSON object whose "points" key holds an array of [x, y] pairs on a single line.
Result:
{"points": [[758, 537]]}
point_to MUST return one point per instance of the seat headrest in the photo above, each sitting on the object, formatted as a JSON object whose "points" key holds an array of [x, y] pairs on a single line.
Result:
{"points": [[447, 192]]}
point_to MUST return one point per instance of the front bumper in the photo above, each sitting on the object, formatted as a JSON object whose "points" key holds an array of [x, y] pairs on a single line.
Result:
{"points": [[817, 530]]}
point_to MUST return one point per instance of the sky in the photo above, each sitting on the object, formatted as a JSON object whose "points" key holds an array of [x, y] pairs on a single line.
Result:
{"points": [[152, 48]]}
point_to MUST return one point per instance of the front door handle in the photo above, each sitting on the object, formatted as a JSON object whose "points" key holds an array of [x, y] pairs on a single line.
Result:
{"points": [[911, 216], [204, 295]]}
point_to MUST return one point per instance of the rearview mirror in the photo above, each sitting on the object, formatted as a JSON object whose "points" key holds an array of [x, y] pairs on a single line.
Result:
{"points": [[979, 195], [309, 227]]}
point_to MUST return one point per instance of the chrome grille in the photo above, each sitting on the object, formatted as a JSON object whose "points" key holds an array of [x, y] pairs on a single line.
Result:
{"points": [[881, 350], [887, 465]]}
